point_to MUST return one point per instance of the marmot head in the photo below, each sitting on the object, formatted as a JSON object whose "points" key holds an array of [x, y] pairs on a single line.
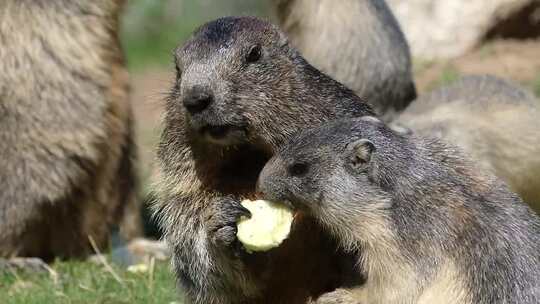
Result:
{"points": [[338, 166], [239, 81]]}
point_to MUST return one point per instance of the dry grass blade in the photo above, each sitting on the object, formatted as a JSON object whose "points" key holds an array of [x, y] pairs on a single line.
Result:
{"points": [[104, 262], [151, 272]]}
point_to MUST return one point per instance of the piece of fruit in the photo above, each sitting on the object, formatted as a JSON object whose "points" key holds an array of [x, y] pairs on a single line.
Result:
{"points": [[268, 227]]}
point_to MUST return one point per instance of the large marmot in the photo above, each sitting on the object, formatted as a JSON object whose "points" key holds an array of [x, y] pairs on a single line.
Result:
{"points": [[241, 91]]}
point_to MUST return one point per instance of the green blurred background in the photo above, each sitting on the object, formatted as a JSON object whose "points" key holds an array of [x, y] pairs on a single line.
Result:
{"points": [[152, 28]]}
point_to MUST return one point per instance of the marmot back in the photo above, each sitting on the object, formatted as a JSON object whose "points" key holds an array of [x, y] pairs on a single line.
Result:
{"points": [[66, 127], [494, 121], [357, 42], [431, 227]]}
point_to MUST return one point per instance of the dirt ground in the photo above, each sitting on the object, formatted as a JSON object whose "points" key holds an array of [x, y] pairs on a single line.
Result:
{"points": [[515, 60], [149, 89]]}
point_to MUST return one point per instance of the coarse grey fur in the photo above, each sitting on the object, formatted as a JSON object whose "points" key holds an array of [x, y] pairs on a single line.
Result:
{"points": [[494, 121], [357, 42], [431, 227], [241, 91], [66, 142]]}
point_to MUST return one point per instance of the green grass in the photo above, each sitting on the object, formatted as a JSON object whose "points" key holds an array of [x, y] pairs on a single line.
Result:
{"points": [[86, 282], [152, 29], [449, 75], [536, 86]]}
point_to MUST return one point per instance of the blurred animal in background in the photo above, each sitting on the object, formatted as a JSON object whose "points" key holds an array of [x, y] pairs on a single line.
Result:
{"points": [[443, 29], [332, 34], [494, 121], [357, 42], [66, 131]]}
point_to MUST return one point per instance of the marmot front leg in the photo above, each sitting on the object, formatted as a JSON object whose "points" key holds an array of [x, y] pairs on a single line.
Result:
{"points": [[221, 221], [206, 253]]}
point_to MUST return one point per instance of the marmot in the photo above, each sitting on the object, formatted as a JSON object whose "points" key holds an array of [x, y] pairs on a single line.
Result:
{"points": [[357, 42], [494, 121], [241, 91], [66, 129], [431, 227]]}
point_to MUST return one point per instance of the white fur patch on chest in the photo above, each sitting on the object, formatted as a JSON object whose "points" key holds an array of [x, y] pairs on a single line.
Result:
{"points": [[447, 288]]}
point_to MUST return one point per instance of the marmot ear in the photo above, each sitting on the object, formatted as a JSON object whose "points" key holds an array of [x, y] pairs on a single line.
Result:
{"points": [[401, 129], [359, 153]]}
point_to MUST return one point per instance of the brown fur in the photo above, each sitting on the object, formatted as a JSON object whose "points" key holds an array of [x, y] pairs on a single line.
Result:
{"points": [[66, 132]]}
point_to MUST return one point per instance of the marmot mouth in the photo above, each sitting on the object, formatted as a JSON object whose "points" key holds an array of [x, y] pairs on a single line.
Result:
{"points": [[224, 134], [217, 132]]}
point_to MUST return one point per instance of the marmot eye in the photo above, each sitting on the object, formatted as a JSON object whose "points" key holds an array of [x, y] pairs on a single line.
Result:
{"points": [[298, 169], [254, 54], [178, 73]]}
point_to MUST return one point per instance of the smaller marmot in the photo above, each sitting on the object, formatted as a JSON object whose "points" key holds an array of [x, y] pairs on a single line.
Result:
{"points": [[430, 226]]}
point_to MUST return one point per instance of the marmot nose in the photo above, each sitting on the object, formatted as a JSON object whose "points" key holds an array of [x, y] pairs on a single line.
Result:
{"points": [[197, 100]]}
